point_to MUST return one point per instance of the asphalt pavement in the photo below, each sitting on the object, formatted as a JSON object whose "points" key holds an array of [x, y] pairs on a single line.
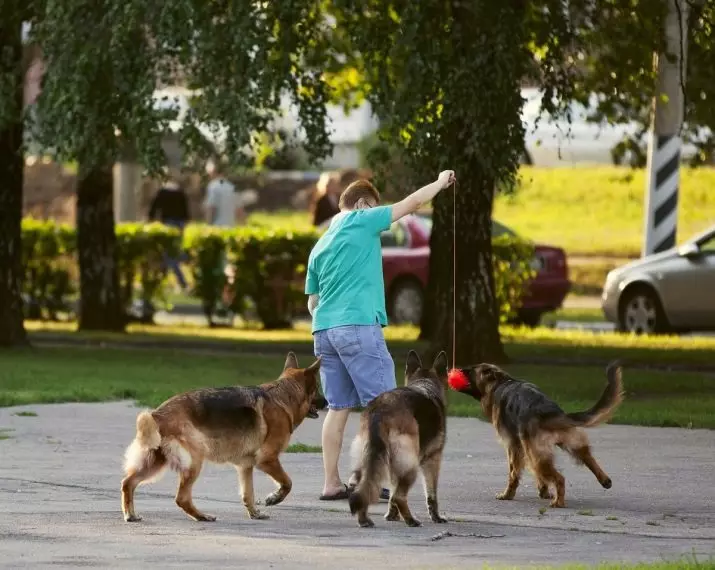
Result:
{"points": [[59, 497]]}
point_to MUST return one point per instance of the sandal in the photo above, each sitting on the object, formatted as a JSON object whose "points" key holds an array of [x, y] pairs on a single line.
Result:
{"points": [[339, 496]]}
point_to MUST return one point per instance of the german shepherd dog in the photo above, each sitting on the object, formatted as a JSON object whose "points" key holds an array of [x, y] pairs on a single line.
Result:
{"points": [[529, 424], [400, 431], [245, 426]]}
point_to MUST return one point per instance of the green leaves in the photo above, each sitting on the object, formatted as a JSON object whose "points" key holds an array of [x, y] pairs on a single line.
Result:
{"points": [[105, 58]]}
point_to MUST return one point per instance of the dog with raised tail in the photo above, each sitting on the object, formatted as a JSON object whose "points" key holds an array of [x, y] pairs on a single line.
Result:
{"points": [[529, 425], [401, 432], [246, 426]]}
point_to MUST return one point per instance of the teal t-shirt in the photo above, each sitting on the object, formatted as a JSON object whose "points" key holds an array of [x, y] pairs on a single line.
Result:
{"points": [[345, 270]]}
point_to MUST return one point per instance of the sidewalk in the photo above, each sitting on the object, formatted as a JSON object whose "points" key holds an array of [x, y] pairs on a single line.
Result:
{"points": [[59, 487]]}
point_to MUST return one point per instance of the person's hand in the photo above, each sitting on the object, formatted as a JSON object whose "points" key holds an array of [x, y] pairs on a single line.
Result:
{"points": [[446, 178]]}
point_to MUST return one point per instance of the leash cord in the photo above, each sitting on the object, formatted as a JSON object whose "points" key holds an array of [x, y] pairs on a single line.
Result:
{"points": [[454, 275]]}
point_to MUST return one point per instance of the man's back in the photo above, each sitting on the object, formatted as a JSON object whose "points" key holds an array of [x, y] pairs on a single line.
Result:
{"points": [[345, 270], [221, 195]]}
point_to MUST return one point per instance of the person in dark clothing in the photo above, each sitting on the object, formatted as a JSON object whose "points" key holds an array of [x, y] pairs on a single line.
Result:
{"points": [[325, 199], [170, 206]]}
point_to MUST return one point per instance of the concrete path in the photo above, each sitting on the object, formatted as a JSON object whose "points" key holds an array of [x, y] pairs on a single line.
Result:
{"points": [[59, 500]]}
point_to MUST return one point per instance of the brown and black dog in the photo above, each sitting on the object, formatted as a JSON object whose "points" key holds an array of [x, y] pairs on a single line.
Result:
{"points": [[529, 424], [401, 431], [245, 426]]}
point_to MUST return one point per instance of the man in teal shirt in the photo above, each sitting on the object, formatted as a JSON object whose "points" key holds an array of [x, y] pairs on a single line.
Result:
{"points": [[347, 302]]}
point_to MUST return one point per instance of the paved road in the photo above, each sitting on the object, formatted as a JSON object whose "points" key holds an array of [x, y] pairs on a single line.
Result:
{"points": [[59, 500]]}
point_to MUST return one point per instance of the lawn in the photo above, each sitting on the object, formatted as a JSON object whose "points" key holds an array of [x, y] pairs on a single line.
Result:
{"points": [[149, 376], [525, 345], [599, 210]]}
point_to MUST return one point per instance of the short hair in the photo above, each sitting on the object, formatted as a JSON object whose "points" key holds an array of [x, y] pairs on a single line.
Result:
{"points": [[355, 192]]}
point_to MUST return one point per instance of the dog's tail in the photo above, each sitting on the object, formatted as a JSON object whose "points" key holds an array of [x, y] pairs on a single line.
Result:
{"points": [[373, 463], [142, 451], [610, 399]]}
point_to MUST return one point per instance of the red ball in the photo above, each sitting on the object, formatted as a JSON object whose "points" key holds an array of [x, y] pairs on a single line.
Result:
{"points": [[457, 380]]}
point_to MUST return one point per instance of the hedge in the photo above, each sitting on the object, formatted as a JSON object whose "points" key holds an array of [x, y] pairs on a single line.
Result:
{"points": [[255, 268]]}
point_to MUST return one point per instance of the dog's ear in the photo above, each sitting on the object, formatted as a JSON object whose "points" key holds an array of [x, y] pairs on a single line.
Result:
{"points": [[315, 366], [291, 361], [441, 365], [413, 363]]}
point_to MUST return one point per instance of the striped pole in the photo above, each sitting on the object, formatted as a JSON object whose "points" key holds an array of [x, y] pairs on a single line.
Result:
{"points": [[664, 144]]}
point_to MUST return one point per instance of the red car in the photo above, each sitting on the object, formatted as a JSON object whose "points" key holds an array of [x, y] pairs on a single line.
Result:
{"points": [[405, 264]]}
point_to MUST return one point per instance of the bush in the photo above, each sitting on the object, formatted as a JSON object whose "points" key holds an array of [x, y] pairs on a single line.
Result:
{"points": [[141, 252], [206, 248], [48, 258], [270, 266], [512, 273]]}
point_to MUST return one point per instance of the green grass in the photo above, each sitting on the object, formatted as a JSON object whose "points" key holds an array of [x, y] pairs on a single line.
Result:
{"points": [[683, 564], [5, 433], [598, 210], [27, 414], [588, 275], [585, 513], [521, 343], [150, 376], [578, 315], [303, 448]]}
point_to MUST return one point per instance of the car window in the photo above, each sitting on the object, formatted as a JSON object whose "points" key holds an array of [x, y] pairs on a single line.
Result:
{"points": [[396, 236]]}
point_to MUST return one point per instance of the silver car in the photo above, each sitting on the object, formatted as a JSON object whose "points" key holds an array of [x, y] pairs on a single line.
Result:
{"points": [[672, 291]]}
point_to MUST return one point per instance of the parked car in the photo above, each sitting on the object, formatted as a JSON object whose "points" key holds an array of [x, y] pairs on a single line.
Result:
{"points": [[405, 262], [672, 291]]}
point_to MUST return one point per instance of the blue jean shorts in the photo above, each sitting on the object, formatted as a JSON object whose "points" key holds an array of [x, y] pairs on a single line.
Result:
{"points": [[355, 365]]}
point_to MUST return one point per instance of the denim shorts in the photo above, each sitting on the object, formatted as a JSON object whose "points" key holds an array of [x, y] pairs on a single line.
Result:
{"points": [[355, 365]]}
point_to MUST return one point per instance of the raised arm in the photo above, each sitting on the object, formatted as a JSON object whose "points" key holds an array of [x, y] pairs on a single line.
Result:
{"points": [[417, 199]]}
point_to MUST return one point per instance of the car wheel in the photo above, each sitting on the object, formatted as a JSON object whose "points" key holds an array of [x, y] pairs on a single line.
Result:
{"points": [[406, 303], [641, 312]]}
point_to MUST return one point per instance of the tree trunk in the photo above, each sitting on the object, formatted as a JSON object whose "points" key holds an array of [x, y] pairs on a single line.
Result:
{"points": [[100, 299], [12, 330], [477, 311]]}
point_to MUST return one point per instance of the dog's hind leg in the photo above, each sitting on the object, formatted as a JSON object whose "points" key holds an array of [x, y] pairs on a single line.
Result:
{"points": [[583, 455], [392, 514], [275, 471], [546, 472], [139, 469], [245, 481], [515, 455], [430, 472], [399, 497], [187, 478]]}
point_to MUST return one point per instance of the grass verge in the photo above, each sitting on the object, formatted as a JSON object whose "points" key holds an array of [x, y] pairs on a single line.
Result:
{"points": [[554, 205], [78, 374], [521, 343]]}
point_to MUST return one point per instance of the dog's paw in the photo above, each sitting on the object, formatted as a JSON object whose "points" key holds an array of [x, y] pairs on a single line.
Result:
{"points": [[392, 516], [544, 493], [258, 516], [438, 519], [412, 522], [556, 504], [504, 496], [132, 518], [366, 523], [273, 499], [205, 518], [607, 483]]}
